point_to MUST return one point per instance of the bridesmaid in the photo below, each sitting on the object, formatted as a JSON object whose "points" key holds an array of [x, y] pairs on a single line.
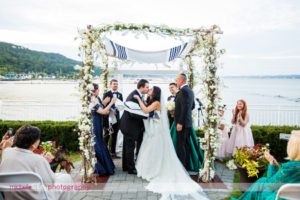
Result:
{"points": [[241, 134], [196, 157], [104, 165]]}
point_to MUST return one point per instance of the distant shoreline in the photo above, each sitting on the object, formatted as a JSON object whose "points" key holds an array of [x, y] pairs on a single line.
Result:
{"points": [[225, 77], [265, 77]]}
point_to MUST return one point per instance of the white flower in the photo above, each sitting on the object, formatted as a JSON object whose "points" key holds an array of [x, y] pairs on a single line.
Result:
{"points": [[231, 165], [82, 172], [170, 105], [91, 171], [90, 87], [81, 139]]}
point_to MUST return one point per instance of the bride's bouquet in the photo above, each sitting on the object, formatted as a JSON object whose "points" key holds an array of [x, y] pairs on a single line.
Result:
{"points": [[170, 105]]}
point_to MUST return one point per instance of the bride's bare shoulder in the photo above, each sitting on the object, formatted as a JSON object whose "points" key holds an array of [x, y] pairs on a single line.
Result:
{"points": [[157, 105]]}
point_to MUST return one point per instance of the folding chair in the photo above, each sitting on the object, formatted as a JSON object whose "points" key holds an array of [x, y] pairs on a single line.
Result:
{"points": [[289, 191], [7, 180]]}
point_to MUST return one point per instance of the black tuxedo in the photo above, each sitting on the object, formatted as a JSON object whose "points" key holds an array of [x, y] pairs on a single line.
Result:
{"points": [[132, 127], [171, 118], [184, 104], [115, 126]]}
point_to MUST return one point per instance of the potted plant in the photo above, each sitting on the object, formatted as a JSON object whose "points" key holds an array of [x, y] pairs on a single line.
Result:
{"points": [[58, 156], [252, 159]]}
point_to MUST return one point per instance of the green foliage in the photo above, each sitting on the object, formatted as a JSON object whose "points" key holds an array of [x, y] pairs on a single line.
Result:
{"points": [[251, 158], [62, 132], [47, 146], [270, 135], [75, 157], [14, 58]]}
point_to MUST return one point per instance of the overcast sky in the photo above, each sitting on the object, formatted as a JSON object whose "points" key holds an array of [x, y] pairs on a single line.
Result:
{"points": [[261, 36]]}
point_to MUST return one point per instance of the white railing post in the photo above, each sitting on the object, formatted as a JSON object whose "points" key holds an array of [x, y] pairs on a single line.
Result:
{"points": [[1, 117], [278, 115]]}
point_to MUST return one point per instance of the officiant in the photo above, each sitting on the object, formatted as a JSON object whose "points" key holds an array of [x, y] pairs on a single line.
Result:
{"points": [[111, 123]]}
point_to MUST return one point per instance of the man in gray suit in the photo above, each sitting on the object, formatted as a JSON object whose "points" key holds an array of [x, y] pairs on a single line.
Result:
{"points": [[184, 104]]}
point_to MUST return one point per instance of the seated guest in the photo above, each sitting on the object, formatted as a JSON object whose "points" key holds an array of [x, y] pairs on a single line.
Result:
{"points": [[289, 172], [21, 158]]}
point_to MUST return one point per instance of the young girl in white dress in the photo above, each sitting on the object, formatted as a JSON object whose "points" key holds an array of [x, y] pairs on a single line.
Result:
{"points": [[223, 138], [241, 134]]}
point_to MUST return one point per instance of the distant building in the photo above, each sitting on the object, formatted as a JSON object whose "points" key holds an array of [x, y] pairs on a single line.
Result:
{"points": [[11, 76]]}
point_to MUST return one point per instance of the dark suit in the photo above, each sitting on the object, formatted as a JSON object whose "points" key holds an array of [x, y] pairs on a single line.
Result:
{"points": [[132, 127], [115, 126], [184, 104], [171, 118]]}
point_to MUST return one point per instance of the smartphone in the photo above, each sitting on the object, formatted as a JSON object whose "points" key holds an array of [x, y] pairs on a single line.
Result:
{"points": [[10, 132]]}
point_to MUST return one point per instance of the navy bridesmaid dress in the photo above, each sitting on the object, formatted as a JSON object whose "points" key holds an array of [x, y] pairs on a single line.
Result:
{"points": [[104, 165]]}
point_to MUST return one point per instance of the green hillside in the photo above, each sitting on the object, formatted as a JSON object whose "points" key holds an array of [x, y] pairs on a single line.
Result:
{"points": [[14, 58]]}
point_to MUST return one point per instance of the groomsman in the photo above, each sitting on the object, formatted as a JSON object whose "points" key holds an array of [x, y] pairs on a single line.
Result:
{"points": [[111, 129], [184, 104], [173, 90]]}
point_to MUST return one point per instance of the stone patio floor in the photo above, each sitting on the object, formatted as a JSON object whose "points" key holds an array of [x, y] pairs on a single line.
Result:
{"points": [[122, 186]]}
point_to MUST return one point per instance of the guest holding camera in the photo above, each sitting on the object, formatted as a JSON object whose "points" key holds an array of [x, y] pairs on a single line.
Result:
{"points": [[289, 172], [21, 158]]}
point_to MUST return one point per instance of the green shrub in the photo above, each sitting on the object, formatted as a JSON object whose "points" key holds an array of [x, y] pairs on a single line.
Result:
{"points": [[62, 132], [270, 134]]}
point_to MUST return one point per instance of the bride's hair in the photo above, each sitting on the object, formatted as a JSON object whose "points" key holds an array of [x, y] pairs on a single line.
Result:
{"points": [[156, 93]]}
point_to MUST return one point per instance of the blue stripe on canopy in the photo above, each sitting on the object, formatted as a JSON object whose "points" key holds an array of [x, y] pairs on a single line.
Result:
{"points": [[174, 52], [121, 52], [184, 46], [114, 48]]}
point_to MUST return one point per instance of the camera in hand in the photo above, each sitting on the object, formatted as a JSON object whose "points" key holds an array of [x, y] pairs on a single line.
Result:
{"points": [[10, 132]]}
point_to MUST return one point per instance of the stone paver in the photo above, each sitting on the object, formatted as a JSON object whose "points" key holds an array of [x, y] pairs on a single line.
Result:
{"points": [[123, 186]]}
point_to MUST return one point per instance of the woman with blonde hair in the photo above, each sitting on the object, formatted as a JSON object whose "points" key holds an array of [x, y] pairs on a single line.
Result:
{"points": [[289, 172]]}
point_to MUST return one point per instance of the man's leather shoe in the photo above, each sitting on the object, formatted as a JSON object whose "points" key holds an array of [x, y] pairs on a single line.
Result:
{"points": [[114, 156], [132, 171]]}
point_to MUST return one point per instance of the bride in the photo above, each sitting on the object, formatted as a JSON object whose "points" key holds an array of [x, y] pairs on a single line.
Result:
{"points": [[157, 161]]}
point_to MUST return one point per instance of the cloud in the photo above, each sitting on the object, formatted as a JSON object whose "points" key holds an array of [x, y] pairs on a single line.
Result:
{"points": [[262, 32]]}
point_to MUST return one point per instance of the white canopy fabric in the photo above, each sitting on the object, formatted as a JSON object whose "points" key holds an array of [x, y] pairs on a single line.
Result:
{"points": [[160, 56]]}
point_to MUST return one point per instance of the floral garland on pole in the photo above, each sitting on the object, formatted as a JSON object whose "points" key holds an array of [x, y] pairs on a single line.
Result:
{"points": [[86, 139], [204, 45], [211, 82]]}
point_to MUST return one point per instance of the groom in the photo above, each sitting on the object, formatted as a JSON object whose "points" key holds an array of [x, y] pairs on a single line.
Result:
{"points": [[184, 104], [132, 127]]}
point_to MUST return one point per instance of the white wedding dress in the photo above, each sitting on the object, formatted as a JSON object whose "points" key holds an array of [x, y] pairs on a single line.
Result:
{"points": [[158, 163]]}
